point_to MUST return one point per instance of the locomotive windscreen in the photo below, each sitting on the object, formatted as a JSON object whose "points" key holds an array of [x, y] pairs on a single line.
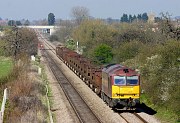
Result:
{"points": [[132, 80]]}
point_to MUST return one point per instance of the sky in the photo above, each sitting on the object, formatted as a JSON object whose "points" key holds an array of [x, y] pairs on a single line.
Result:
{"points": [[39, 9]]}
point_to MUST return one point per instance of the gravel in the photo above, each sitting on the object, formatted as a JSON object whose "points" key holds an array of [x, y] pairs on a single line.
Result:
{"points": [[61, 109]]}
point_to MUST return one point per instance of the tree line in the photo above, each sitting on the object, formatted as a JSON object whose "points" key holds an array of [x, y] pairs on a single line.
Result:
{"points": [[50, 21], [130, 18]]}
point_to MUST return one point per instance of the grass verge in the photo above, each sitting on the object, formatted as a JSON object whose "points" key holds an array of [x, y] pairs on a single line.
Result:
{"points": [[5, 66], [46, 101], [163, 114]]}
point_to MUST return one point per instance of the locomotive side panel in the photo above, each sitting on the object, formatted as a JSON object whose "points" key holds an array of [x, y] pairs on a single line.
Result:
{"points": [[105, 84]]}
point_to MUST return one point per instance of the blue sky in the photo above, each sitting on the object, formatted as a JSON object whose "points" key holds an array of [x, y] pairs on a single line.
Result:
{"points": [[39, 9]]}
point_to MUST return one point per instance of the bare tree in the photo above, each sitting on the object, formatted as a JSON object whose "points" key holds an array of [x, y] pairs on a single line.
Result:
{"points": [[65, 31], [168, 28], [79, 13]]}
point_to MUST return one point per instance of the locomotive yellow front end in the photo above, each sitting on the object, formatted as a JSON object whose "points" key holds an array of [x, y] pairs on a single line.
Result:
{"points": [[126, 90], [120, 86]]}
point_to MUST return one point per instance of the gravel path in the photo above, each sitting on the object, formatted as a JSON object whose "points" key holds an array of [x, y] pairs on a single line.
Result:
{"points": [[61, 110]]}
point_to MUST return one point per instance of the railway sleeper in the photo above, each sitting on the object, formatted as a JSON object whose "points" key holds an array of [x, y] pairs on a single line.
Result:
{"points": [[87, 82], [83, 78], [91, 85]]}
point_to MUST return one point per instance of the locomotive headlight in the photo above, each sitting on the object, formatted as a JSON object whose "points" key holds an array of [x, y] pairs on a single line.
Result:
{"points": [[115, 94], [136, 95]]}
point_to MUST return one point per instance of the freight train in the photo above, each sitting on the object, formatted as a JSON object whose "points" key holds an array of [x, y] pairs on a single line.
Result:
{"points": [[117, 85]]}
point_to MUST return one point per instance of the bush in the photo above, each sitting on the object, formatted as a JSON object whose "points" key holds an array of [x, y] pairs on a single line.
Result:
{"points": [[127, 51], [102, 54], [71, 44]]}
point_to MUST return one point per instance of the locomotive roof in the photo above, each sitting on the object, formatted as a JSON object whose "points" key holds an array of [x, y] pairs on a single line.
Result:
{"points": [[111, 67], [118, 69]]}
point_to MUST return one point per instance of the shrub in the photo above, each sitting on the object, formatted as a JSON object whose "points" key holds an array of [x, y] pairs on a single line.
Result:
{"points": [[102, 54], [127, 51]]}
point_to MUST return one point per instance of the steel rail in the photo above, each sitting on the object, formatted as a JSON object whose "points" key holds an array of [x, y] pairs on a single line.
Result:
{"points": [[137, 115], [82, 110]]}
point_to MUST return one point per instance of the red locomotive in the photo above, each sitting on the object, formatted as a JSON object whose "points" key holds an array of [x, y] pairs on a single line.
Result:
{"points": [[116, 84]]}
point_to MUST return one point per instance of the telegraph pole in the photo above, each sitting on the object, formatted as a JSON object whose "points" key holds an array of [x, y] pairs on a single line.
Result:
{"points": [[16, 43]]}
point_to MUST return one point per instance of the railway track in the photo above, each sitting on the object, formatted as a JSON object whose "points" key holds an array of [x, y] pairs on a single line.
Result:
{"points": [[132, 117], [76, 100], [50, 47], [143, 120], [81, 109]]}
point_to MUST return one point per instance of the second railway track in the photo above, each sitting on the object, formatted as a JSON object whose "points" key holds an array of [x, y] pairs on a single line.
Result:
{"points": [[132, 118], [82, 110]]}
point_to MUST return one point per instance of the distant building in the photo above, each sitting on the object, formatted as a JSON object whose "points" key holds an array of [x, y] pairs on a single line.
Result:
{"points": [[151, 17]]}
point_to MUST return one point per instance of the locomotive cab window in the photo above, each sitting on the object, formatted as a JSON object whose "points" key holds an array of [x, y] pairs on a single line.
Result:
{"points": [[119, 80], [132, 80]]}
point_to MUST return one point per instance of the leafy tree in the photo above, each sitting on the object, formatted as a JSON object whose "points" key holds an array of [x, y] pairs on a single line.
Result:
{"points": [[2, 46], [103, 54], [124, 18], [18, 23], [139, 17], [127, 50], [11, 23], [71, 44], [51, 19], [95, 32], [144, 17], [20, 41], [132, 34], [130, 18], [170, 54], [134, 18]]}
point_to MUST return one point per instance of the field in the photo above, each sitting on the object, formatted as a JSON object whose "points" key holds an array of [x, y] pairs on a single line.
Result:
{"points": [[5, 66]]}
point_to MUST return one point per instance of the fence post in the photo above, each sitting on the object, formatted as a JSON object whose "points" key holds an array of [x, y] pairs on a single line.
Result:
{"points": [[3, 105], [1, 120], [39, 70]]}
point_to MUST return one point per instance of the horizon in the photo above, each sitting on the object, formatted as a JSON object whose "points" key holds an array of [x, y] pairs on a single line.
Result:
{"points": [[38, 10]]}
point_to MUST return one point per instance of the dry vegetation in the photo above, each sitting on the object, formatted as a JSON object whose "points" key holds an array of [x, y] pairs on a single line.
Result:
{"points": [[26, 90], [26, 96]]}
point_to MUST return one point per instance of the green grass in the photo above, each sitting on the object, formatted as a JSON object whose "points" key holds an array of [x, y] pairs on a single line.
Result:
{"points": [[164, 115], [5, 66]]}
